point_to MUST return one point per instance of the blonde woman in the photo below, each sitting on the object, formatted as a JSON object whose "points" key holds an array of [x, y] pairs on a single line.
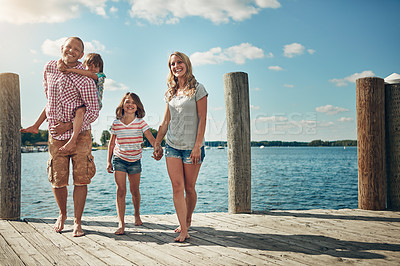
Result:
{"points": [[184, 125]]}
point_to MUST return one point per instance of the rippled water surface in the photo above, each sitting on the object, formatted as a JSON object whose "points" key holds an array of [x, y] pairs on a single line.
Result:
{"points": [[283, 178]]}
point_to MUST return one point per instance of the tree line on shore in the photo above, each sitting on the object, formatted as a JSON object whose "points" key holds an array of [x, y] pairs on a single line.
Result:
{"points": [[28, 139]]}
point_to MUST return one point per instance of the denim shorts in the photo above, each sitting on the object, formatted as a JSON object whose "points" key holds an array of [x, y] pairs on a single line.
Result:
{"points": [[128, 167], [184, 155]]}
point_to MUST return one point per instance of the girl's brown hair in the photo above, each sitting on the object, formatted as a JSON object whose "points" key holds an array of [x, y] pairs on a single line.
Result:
{"points": [[93, 59], [172, 81], [140, 113]]}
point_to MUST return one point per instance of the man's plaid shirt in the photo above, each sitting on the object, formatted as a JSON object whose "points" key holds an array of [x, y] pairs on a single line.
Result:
{"points": [[67, 92]]}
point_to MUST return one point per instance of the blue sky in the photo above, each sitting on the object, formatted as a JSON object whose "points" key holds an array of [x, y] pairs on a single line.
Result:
{"points": [[302, 56]]}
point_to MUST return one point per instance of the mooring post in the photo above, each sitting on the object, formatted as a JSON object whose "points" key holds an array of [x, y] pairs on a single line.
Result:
{"points": [[370, 94], [237, 108], [393, 145], [10, 147]]}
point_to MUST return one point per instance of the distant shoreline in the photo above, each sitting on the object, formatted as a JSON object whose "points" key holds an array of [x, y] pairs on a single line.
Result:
{"points": [[278, 143]]}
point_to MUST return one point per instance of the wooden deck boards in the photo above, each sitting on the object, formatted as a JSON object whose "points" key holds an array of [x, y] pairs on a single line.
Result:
{"points": [[312, 237]]}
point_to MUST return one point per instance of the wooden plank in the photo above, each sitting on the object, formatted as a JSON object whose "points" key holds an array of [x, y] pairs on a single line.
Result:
{"points": [[69, 247], [348, 226], [205, 250], [27, 253], [296, 247], [100, 252], [312, 237], [146, 244], [48, 249], [7, 254], [332, 246], [135, 251], [225, 246]]}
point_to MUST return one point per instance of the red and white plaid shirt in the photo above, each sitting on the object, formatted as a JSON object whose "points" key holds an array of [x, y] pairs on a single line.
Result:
{"points": [[67, 92]]}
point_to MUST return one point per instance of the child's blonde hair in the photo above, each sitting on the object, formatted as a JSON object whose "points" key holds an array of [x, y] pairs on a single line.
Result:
{"points": [[140, 113], [93, 59], [172, 81]]}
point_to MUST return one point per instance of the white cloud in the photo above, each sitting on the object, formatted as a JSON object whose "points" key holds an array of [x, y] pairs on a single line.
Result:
{"points": [[291, 50], [352, 78], [326, 124], [237, 54], [113, 10], [44, 11], [311, 51], [288, 85], [256, 89], [219, 108], [171, 11], [273, 118], [330, 109], [253, 107], [112, 85], [345, 119], [53, 48], [275, 68]]}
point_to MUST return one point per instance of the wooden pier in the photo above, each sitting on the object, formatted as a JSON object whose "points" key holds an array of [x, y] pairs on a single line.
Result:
{"points": [[313, 237]]}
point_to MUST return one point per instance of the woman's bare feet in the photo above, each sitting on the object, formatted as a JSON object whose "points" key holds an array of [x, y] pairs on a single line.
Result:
{"points": [[120, 231], [78, 230], [59, 225], [182, 237], [188, 223], [138, 221]]}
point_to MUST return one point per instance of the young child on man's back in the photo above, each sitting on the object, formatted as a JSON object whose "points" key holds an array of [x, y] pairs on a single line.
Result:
{"points": [[94, 69]]}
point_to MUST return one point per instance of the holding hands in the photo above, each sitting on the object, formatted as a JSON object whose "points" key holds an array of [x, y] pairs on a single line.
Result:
{"points": [[158, 152]]}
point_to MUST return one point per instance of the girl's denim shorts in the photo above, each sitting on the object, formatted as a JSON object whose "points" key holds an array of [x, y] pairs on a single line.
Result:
{"points": [[128, 167], [184, 155]]}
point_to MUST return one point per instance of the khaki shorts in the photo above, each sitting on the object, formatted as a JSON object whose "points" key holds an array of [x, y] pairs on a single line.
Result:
{"points": [[83, 166]]}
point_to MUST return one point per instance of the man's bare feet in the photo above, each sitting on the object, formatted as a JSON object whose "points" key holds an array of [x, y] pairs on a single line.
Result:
{"points": [[59, 225], [182, 237], [78, 230], [120, 231], [69, 146], [138, 221]]}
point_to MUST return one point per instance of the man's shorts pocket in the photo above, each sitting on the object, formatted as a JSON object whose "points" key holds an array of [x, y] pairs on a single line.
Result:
{"points": [[91, 168], [50, 169]]}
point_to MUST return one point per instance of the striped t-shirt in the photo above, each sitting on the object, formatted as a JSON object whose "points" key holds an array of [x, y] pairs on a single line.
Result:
{"points": [[129, 138]]}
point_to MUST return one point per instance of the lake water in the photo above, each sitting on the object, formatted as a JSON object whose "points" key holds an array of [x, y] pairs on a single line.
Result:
{"points": [[283, 178]]}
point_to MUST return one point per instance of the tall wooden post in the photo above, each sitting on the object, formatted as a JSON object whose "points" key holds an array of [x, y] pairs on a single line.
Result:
{"points": [[10, 147], [237, 108], [393, 145], [370, 94]]}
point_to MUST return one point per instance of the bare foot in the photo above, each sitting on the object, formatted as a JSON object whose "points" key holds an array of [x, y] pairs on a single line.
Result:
{"points": [[30, 129], [59, 225], [182, 237], [138, 221], [78, 230], [120, 231], [69, 146], [188, 223]]}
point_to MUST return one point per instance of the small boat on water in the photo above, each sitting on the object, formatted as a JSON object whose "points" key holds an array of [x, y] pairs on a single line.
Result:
{"points": [[220, 147]]}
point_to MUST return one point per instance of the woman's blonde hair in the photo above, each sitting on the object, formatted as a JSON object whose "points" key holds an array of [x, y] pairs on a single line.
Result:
{"points": [[140, 113], [172, 81]]}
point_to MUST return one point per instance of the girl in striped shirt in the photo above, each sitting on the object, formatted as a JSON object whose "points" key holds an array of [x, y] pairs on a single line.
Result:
{"points": [[125, 152]]}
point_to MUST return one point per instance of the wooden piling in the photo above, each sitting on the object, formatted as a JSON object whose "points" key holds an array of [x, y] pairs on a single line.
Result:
{"points": [[370, 94], [10, 147], [392, 96], [237, 108]]}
